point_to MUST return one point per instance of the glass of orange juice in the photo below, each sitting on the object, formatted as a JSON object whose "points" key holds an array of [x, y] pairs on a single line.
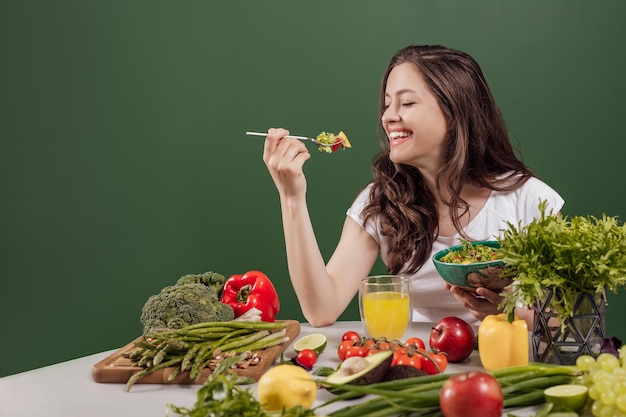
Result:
{"points": [[385, 305]]}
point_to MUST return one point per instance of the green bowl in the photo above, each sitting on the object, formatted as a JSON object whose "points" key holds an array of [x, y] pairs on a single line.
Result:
{"points": [[473, 275]]}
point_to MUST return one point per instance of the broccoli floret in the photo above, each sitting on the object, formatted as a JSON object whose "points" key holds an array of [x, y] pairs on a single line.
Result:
{"points": [[210, 279], [180, 305]]}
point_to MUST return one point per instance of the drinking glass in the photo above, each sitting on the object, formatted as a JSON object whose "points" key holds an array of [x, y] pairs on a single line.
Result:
{"points": [[385, 306]]}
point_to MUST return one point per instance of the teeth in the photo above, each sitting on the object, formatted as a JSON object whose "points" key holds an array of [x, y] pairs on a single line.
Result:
{"points": [[396, 135]]}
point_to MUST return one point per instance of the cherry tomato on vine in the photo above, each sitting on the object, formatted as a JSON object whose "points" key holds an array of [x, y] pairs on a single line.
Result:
{"points": [[350, 335], [396, 346], [356, 351], [397, 354], [383, 345], [414, 360], [306, 358], [415, 342], [343, 349], [439, 358], [370, 344]]}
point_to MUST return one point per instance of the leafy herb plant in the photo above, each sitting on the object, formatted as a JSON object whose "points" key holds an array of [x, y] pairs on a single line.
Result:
{"points": [[581, 254], [222, 395]]}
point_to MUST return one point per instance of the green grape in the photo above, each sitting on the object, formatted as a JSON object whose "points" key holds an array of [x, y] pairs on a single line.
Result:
{"points": [[608, 361], [594, 393], [596, 407], [608, 397], [584, 379], [595, 367], [606, 384], [599, 375], [585, 362], [622, 355], [607, 411], [620, 386], [620, 402]]}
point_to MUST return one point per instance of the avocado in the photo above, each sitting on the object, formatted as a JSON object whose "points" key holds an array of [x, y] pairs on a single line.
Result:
{"points": [[402, 372], [358, 370]]}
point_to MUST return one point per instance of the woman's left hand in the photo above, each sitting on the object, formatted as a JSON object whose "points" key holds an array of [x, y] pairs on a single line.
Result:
{"points": [[481, 303]]}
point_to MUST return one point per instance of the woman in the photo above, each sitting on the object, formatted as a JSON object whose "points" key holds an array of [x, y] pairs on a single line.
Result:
{"points": [[447, 171]]}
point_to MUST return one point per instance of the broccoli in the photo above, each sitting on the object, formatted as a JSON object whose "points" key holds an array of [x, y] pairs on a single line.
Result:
{"points": [[210, 279], [180, 305]]}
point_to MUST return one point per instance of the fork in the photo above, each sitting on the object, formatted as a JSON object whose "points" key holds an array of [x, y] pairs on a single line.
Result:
{"points": [[317, 142]]}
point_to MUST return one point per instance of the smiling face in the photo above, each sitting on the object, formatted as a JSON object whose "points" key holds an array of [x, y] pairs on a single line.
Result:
{"points": [[413, 120]]}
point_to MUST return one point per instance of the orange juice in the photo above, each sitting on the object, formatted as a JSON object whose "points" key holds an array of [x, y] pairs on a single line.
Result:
{"points": [[386, 313]]}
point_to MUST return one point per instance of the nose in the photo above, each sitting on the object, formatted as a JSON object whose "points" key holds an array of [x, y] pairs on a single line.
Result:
{"points": [[390, 115]]}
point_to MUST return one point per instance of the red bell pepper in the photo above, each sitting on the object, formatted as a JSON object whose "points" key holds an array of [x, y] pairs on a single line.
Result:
{"points": [[252, 289]]}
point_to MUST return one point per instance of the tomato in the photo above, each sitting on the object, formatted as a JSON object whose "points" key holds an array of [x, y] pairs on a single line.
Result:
{"points": [[396, 346], [350, 335], [454, 336], [383, 345], [415, 342], [343, 349], [397, 354], [439, 358], [356, 350], [306, 358], [370, 344], [471, 394], [414, 360], [348, 348]]}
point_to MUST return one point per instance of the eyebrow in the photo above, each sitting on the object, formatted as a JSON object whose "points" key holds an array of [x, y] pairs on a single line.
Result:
{"points": [[402, 91]]}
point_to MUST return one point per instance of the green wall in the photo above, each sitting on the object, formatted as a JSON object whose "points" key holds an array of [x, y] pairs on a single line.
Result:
{"points": [[124, 163]]}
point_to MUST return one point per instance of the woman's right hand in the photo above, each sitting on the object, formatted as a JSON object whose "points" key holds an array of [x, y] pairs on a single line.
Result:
{"points": [[284, 158]]}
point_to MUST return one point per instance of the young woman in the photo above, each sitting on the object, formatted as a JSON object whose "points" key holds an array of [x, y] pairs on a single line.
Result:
{"points": [[447, 170]]}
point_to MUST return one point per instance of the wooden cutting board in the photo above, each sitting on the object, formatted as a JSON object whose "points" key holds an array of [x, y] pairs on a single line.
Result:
{"points": [[117, 369]]}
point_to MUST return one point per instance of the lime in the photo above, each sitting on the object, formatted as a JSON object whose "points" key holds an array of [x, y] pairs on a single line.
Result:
{"points": [[567, 397], [314, 341]]}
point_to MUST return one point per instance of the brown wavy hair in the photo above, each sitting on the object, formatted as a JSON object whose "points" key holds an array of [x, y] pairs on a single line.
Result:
{"points": [[479, 152]]}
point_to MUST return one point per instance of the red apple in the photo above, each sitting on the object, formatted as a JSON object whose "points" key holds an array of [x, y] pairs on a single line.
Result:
{"points": [[454, 337], [471, 394]]}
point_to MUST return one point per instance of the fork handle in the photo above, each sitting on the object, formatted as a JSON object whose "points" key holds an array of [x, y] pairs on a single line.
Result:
{"points": [[290, 136]]}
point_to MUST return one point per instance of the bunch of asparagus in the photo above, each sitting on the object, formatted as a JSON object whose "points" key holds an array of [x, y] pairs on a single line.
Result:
{"points": [[195, 347]]}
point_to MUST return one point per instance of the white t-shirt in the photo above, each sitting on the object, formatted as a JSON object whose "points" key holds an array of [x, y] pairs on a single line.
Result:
{"points": [[431, 301]]}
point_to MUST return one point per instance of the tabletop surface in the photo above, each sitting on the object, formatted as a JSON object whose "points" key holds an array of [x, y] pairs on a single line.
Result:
{"points": [[68, 390]]}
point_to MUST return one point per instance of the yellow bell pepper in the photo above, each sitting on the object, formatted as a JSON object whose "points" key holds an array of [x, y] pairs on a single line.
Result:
{"points": [[502, 343]]}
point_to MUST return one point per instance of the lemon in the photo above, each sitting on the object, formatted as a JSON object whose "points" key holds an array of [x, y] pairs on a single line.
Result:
{"points": [[344, 140], [568, 397], [316, 342], [286, 386]]}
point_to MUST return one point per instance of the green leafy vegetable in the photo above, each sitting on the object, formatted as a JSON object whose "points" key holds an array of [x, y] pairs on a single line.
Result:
{"points": [[221, 396], [337, 141], [471, 253], [581, 254]]}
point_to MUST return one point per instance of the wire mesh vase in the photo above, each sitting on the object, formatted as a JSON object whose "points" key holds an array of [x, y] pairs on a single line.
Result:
{"points": [[581, 334]]}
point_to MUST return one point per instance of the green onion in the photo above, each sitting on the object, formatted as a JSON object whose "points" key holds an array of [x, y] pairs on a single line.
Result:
{"points": [[521, 386]]}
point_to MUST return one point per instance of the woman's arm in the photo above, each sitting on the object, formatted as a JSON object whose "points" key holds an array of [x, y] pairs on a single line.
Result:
{"points": [[323, 291]]}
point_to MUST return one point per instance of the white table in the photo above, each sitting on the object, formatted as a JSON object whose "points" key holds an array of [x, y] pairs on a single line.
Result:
{"points": [[67, 389]]}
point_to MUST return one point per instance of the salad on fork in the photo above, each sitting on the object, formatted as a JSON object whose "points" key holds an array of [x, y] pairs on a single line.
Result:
{"points": [[326, 142]]}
